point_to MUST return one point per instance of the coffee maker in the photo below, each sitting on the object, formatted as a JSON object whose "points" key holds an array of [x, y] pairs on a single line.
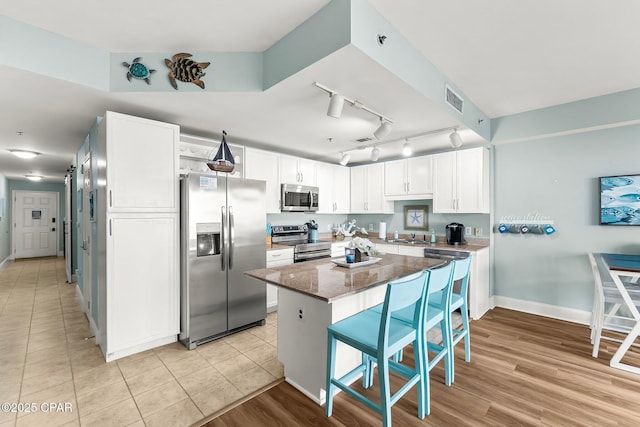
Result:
{"points": [[455, 234]]}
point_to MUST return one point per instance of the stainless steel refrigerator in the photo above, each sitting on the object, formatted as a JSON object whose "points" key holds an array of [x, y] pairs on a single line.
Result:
{"points": [[223, 222]]}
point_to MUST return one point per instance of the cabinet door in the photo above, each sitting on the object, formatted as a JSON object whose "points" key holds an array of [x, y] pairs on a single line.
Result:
{"points": [[376, 202], [341, 189], [395, 180], [263, 165], [358, 188], [142, 165], [472, 181], [142, 283], [444, 182], [307, 171], [415, 251], [289, 173], [419, 175], [325, 174], [387, 249]]}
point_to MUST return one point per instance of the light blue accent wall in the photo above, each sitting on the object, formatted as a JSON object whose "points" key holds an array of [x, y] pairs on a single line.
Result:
{"points": [[42, 186], [558, 177], [322, 34], [607, 110], [5, 241], [33, 49], [405, 61], [241, 72]]}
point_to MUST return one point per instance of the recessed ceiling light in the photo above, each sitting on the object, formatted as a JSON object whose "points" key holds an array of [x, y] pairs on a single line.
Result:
{"points": [[24, 154], [34, 177]]}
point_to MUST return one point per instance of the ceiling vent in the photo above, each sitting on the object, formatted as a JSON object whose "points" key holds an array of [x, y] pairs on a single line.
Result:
{"points": [[453, 99], [362, 140]]}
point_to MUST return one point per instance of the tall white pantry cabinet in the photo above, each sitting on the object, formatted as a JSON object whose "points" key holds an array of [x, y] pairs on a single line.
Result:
{"points": [[137, 215]]}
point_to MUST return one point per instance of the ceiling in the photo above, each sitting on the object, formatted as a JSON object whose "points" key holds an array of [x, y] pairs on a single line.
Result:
{"points": [[507, 57]]}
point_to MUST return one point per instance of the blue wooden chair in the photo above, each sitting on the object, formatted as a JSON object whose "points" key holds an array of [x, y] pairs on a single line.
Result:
{"points": [[378, 335], [458, 301], [439, 284]]}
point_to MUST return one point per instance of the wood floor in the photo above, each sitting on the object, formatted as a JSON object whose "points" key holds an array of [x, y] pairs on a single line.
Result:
{"points": [[525, 370]]}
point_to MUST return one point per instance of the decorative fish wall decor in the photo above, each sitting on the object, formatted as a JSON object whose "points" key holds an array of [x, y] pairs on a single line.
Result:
{"points": [[138, 70], [186, 70]]}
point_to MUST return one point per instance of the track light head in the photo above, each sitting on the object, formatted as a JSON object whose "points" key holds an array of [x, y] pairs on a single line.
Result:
{"points": [[336, 103], [383, 130], [406, 149], [455, 139], [375, 154], [345, 159]]}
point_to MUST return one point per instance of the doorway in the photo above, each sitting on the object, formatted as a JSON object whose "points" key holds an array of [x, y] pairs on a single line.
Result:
{"points": [[35, 222]]}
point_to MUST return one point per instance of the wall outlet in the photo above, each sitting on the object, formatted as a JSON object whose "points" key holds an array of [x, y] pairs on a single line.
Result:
{"points": [[300, 313], [478, 232], [370, 227], [468, 231]]}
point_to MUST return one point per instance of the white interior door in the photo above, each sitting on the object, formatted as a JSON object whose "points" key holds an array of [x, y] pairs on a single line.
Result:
{"points": [[35, 223]]}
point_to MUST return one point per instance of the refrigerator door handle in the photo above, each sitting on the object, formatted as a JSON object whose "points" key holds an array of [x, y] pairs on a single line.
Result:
{"points": [[232, 232], [222, 238]]}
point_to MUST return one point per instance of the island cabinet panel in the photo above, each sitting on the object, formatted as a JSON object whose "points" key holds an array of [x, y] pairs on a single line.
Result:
{"points": [[263, 165]]}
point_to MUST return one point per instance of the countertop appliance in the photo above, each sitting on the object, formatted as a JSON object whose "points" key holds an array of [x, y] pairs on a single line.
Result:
{"points": [[455, 234], [298, 198], [298, 237], [222, 236]]}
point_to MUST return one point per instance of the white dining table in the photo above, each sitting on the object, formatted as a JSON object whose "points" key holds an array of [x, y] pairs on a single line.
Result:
{"points": [[628, 267]]}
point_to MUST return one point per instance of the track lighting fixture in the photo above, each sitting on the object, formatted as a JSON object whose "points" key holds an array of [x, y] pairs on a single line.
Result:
{"points": [[375, 154], [345, 159], [34, 177], [455, 139], [406, 149], [383, 130], [335, 105]]}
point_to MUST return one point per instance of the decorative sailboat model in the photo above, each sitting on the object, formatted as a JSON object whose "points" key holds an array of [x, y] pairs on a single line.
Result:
{"points": [[223, 160]]}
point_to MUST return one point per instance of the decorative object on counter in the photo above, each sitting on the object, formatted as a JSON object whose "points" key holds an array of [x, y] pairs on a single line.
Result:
{"points": [[415, 217], [138, 70], [312, 227], [185, 70], [455, 234], [223, 160], [395, 235], [362, 232], [268, 234], [346, 230], [354, 264], [363, 248], [350, 255], [433, 236]]}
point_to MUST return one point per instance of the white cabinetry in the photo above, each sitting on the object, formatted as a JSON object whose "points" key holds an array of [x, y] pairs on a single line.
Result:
{"points": [[387, 249], [416, 251], [367, 186], [333, 182], [294, 170], [136, 212], [408, 179], [276, 258], [461, 181], [263, 165]]}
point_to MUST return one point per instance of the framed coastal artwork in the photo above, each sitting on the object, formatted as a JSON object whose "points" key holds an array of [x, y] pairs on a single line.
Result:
{"points": [[415, 217], [620, 200]]}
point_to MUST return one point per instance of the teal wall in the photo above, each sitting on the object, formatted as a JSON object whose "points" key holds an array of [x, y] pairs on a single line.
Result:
{"points": [[42, 186], [557, 177]]}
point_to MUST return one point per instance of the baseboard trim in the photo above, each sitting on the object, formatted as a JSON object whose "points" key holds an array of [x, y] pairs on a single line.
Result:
{"points": [[4, 263], [547, 310]]}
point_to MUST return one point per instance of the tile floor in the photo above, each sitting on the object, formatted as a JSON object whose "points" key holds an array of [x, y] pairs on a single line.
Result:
{"points": [[45, 357]]}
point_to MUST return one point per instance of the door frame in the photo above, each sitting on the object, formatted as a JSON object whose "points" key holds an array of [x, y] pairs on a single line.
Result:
{"points": [[14, 198]]}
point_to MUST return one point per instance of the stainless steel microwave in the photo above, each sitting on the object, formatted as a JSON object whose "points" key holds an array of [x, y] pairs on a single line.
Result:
{"points": [[298, 198]]}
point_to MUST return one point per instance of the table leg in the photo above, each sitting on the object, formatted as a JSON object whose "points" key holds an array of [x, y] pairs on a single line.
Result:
{"points": [[624, 347]]}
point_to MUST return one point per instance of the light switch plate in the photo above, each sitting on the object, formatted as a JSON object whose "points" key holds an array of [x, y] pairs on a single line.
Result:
{"points": [[478, 232]]}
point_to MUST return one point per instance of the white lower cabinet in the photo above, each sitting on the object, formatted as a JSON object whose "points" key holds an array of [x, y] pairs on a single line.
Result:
{"points": [[337, 248], [387, 249], [276, 258], [416, 251], [140, 299]]}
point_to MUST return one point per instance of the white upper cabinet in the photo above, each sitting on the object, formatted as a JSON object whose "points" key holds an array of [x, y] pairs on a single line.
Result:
{"points": [[461, 181], [142, 160], [408, 179], [333, 182], [367, 190], [294, 170], [263, 165]]}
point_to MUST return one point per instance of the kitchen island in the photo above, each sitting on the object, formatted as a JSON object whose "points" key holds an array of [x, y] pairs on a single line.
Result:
{"points": [[315, 294]]}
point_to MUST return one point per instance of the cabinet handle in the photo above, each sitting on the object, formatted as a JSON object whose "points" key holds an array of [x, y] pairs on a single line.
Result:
{"points": [[110, 234], [275, 255], [110, 200], [408, 187], [301, 177]]}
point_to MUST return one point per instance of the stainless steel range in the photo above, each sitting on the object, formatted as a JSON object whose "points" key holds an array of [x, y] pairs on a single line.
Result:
{"points": [[298, 237]]}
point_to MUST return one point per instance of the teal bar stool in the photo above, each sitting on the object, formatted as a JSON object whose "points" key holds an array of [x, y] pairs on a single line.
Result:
{"points": [[458, 301], [378, 335], [439, 290]]}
